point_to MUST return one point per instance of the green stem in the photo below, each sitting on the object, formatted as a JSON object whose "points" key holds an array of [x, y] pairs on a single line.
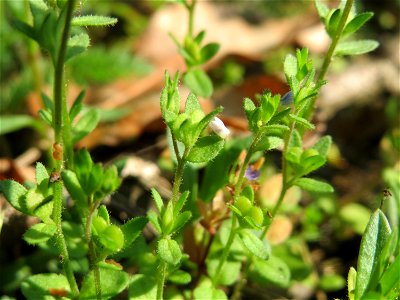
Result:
{"points": [[92, 251], [250, 152], [179, 174], [57, 117], [190, 7], [225, 252], [335, 40], [161, 280]]}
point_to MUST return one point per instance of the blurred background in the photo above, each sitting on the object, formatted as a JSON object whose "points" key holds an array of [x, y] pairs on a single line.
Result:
{"points": [[123, 74]]}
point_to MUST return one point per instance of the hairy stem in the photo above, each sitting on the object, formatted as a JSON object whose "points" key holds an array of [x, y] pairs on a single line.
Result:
{"points": [[225, 252], [57, 119], [335, 39], [190, 7], [92, 251], [161, 280]]}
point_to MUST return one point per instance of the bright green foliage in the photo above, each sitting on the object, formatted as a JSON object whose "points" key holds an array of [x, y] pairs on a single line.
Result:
{"points": [[40, 286], [376, 276], [272, 271], [257, 247], [169, 251], [205, 290]]}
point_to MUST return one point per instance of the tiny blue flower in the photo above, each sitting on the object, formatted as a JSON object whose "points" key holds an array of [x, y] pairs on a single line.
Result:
{"points": [[251, 173]]}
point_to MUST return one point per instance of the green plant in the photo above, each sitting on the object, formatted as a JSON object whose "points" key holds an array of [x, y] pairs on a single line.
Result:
{"points": [[229, 240]]}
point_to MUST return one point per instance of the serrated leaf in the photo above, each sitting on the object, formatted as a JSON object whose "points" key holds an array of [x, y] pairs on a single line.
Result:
{"points": [[206, 149], [93, 21], [85, 125], [290, 66], [76, 45], [39, 233], [274, 270], [112, 283], [356, 23], [198, 82], [157, 199], [313, 185], [208, 52], [181, 220], [14, 193], [132, 229], [323, 145], [301, 121], [13, 123], [74, 188], [356, 47], [180, 277], [254, 244], [373, 241], [38, 286], [169, 251]]}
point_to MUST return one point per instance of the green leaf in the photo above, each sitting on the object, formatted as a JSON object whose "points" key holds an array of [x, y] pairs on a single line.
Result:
{"points": [[373, 241], [301, 121], [313, 185], [390, 280], [274, 270], [76, 106], [41, 173], [16, 122], [208, 52], [76, 45], [153, 218], [85, 125], [14, 193], [254, 244], [351, 283], [356, 23], [323, 145], [356, 215], [332, 282], [38, 286], [192, 104], [332, 21], [206, 149], [112, 283], [132, 229], [93, 21], [181, 220], [296, 140], [103, 213], [322, 9], [180, 277], [142, 287], [39, 233], [206, 290], [157, 199], [198, 82], [45, 115], [26, 29], [169, 251], [112, 238], [356, 47], [290, 66], [268, 143], [181, 201], [74, 188]]}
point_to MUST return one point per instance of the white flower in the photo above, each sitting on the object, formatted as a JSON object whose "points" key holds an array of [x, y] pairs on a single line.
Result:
{"points": [[219, 128]]}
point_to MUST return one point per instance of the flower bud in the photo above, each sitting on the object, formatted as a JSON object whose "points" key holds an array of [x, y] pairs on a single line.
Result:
{"points": [[219, 128]]}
